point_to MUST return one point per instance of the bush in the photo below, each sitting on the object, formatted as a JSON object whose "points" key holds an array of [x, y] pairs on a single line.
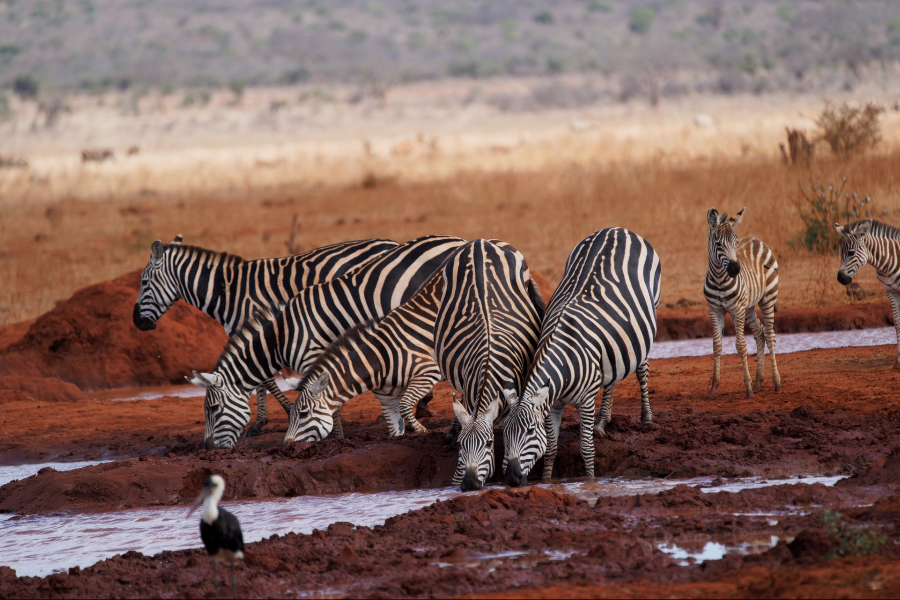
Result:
{"points": [[5, 108], [640, 19], [853, 541], [26, 87], [545, 17], [821, 209], [850, 130]]}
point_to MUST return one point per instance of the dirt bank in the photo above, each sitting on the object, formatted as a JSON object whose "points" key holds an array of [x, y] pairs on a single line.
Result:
{"points": [[815, 425], [551, 545], [89, 340]]}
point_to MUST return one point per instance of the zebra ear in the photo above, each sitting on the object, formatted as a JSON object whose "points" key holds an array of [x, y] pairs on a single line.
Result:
{"points": [[509, 393], [156, 251], [491, 413], [205, 380], [292, 382], [712, 217], [839, 228], [736, 219], [462, 415], [177, 240], [539, 398], [321, 383], [862, 228]]}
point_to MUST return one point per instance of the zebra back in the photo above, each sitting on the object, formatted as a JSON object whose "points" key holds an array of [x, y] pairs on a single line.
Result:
{"points": [[601, 320]]}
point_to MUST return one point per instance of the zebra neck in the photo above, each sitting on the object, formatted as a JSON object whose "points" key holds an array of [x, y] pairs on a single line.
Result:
{"points": [[883, 253], [716, 272], [201, 276]]}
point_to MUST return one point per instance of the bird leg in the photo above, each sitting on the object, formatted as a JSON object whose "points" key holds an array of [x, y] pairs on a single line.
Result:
{"points": [[233, 580], [215, 579]]}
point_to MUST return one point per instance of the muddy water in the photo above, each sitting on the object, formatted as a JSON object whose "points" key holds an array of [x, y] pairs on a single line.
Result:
{"points": [[787, 342], [12, 472], [39, 545]]}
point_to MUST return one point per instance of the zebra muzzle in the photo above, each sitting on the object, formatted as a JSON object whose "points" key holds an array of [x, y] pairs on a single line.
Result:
{"points": [[471, 481], [514, 476], [210, 443], [843, 279], [733, 269], [141, 322]]}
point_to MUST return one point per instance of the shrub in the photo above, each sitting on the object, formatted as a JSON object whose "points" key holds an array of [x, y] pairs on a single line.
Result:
{"points": [[26, 87], [640, 19], [820, 209], [5, 108], [545, 17], [853, 541], [850, 130]]}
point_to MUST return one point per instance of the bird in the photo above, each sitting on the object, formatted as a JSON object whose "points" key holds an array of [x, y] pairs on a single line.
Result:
{"points": [[219, 529]]}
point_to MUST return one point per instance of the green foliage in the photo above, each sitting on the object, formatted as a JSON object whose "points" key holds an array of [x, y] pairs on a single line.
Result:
{"points": [[237, 88], [598, 6], [556, 65], [640, 20], [26, 87], [785, 14], [295, 76], [820, 208], [5, 108], [853, 541], [544, 17], [9, 52]]}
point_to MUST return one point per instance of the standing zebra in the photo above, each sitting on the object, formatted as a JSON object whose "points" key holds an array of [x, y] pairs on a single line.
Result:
{"points": [[485, 334], [878, 244], [599, 327], [229, 288], [296, 334], [393, 357], [741, 274]]}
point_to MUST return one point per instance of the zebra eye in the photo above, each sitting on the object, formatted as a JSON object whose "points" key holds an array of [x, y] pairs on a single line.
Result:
{"points": [[531, 431], [489, 443], [851, 252], [304, 414]]}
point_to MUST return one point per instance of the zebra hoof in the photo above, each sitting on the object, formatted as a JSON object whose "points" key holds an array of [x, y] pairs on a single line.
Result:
{"points": [[749, 393], [647, 422], [897, 364], [778, 385], [757, 386], [254, 431]]}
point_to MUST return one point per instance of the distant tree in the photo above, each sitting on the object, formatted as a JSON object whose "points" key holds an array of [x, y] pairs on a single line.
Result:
{"points": [[640, 19], [26, 87]]}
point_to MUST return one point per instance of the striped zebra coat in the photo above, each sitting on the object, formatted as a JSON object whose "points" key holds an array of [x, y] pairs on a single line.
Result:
{"points": [[741, 274], [229, 288], [877, 244], [296, 335], [393, 357], [485, 335], [599, 327]]}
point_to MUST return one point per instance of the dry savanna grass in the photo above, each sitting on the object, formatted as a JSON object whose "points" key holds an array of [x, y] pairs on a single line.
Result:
{"points": [[49, 249]]}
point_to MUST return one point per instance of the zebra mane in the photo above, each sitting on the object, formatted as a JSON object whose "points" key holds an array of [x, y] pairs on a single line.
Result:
{"points": [[189, 250], [878, 229], [348, 338], [249, 328]]}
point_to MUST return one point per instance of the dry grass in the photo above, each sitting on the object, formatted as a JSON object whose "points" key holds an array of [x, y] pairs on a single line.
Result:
{"points": [[47, 250]]}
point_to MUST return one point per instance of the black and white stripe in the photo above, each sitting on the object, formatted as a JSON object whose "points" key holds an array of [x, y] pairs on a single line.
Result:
{"points": [[229, 288], [307, 325], [485, 335], [740, 275], [877, 244], [599, 327]]}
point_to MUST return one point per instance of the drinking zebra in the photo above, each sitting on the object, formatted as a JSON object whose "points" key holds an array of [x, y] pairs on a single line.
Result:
{"points": [[878, 244], [598, 330], [229, 288], [298, 333], [393, 357], [485, 334], [741, 274]]}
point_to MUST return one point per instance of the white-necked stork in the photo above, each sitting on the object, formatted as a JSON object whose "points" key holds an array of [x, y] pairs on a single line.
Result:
{"points": [[219, 529]]}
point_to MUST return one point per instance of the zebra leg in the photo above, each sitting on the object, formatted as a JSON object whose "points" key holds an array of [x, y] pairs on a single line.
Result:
{"points": [[554, 421], [643, 377], [768, 312], [741, 345], [262, 413], [586, 430], [760, 338], [273, 389], [894, 297], [390, 408], [337, 432], [605, 409], [414, 394], [717, 316], [422, 410]]}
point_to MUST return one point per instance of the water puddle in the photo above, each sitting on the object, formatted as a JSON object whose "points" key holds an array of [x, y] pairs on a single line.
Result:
{"points": [[40, 545], [787, 342], [12, 472], [173, 391], [523, 559], [686, 554]]}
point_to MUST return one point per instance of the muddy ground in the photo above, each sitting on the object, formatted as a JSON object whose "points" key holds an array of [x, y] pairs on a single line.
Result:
{"points": [[839, 414]]}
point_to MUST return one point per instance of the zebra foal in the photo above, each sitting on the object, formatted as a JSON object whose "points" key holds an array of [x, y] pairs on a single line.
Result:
{"points": [[600, 324], [877, 244], [485, 334], [740, 275], [229, 288]]}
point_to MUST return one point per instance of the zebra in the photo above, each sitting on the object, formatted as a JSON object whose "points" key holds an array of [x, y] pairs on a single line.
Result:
{"points": [[229, 288], [741, 274], [485, 333], [393, 357], [296, 334], [600, 324], [878, 244]]}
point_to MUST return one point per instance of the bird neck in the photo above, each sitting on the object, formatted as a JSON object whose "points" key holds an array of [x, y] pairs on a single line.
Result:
{"points": [[211, 509]]}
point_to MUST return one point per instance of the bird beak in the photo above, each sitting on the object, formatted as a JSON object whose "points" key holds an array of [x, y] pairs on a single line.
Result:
{"points": [[198, 502]]}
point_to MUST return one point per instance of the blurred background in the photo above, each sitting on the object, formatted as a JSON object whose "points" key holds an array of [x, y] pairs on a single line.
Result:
{"points": [[263, 128]]}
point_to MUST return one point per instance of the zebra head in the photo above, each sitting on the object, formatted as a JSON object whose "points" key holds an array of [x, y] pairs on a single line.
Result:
{"points": [[159, 288], [723, 240], [476, 445], [854, 251], [311, 417], [524, 435], [227, 410]]}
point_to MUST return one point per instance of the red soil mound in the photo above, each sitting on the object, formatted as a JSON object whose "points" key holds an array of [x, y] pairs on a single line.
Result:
{"points": [[49, 389], [90, 340]]}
